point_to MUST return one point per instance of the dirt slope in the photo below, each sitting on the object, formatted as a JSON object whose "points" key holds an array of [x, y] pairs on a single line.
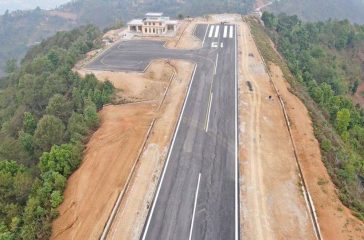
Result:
{"points": [[336, 221], [272, 204]]}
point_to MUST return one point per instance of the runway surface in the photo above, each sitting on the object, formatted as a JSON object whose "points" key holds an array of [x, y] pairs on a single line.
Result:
{"points": [[197, 195]]}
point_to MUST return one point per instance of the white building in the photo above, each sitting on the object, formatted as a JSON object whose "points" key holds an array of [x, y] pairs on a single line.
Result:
{"points": [[153, 24]]}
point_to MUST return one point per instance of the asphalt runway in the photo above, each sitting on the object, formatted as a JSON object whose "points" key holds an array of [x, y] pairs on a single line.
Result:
{"points": [[197, 195]]}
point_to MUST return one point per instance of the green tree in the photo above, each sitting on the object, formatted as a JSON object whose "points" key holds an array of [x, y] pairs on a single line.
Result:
{"points": [[90, 115], [62, 159], [343, 120], [50, 131], [60, 107], [29, 123], [56, 198]]}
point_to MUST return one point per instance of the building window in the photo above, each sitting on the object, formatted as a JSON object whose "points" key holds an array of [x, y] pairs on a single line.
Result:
{"points": [[160, 24], [153, 30], [153, 24]]}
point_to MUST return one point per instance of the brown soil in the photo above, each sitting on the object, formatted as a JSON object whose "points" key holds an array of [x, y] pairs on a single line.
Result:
{"points": [[336, 221], [113, 150], [92, 190], [359, 95], [272, 204], [138, 86]]}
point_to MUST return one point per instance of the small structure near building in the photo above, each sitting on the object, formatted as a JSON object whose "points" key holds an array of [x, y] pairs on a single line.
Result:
{"points": [[153, 24]]}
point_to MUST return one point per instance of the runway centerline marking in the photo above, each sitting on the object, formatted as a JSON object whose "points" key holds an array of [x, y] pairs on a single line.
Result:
{"points": [[169, 156], [204, 38], [211, 31], [217, 31], [194, 206], [216, 61], [208, 112]]}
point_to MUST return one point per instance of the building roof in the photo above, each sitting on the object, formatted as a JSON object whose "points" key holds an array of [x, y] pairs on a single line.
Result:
{"points": [[154, 14], [136, 22]]}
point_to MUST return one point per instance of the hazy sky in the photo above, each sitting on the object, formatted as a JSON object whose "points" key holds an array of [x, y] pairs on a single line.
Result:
{"points": [[12, 5]]}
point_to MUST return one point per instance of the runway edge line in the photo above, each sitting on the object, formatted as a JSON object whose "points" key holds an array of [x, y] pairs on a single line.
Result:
{"points": [[150, 215]]}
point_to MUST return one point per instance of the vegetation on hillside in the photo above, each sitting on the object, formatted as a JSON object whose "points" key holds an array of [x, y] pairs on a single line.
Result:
{"points": [[315, 10], [47, 113], [322, 57]]}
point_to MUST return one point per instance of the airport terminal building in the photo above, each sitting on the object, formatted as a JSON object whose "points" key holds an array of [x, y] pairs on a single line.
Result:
{"points": [[153, 24]]}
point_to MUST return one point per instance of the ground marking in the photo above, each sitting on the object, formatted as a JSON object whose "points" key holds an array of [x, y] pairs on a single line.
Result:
{"points": [[211, 31], [194, 206], [236, 146], [222, 45], [231, 32], [208, 113], [214, 44], [225, 31], [217, 31], [204, 38], [217, 59], [169, 156]]}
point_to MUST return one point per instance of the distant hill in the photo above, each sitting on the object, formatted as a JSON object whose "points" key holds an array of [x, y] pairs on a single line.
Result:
{"points": [[314, 10], [13, 5], [21, 29]]}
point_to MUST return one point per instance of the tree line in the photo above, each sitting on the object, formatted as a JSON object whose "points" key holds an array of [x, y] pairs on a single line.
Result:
{"points": [[323, 57], [47, 113]]}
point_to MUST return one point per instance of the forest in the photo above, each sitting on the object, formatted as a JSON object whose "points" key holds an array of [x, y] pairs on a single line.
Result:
{"points": [[47, 113], [324, 59]]}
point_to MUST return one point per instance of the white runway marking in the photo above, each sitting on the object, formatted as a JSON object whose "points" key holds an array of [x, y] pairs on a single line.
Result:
{"points": [[217, 31], [169, 156], [194, 206], [208, 113], [231, 32], [225, 31], [211, 31], [217, 59], [236, 144]]}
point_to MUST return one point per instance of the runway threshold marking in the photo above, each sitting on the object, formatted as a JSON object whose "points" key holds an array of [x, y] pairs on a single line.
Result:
{"points": [[208, 112], [169, 156], [211, 31], [194, 206], [231, 32], [217, 31], [225, 31]]}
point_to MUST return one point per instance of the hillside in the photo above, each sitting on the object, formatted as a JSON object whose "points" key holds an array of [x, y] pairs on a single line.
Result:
{"points": [[47, 113], [325, 59], [29, 4], [314, 10]]}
